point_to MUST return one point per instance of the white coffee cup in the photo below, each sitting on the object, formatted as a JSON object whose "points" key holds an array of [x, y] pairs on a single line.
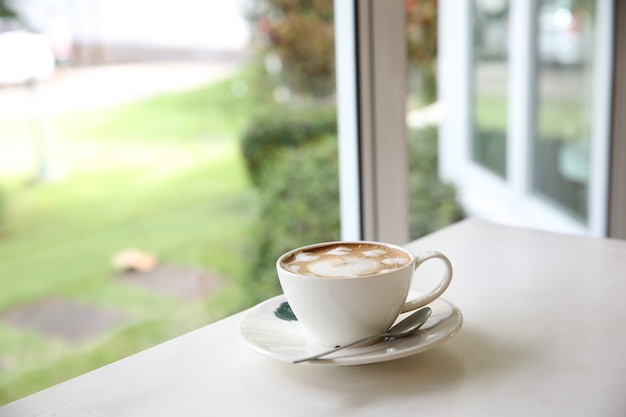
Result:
{"points": [[344, 291]]}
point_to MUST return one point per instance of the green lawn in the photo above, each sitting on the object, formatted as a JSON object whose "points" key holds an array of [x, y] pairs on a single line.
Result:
{"points": [[555, 118], [163, 175]]}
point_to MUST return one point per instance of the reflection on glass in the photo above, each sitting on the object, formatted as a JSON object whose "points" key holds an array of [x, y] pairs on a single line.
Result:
{"points": [[561, 144], [491, 27]]}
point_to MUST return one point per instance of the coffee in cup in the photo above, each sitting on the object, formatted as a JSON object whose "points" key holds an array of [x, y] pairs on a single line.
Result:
{"points": [[344, 291], [345, 260]]}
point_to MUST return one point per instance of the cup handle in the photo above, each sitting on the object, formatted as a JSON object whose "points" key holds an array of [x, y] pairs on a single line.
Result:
{"points": [[439, 289]]}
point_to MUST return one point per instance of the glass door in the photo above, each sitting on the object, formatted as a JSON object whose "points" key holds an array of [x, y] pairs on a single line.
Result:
{"points": [[563, 134], [526, 92], [490, 81]]}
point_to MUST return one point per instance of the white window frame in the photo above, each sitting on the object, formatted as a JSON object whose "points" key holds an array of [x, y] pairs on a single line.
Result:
{"points": [[370, 45], [509, 200]]}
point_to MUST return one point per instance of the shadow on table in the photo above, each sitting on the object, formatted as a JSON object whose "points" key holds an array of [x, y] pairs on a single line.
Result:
{"points": [[470, 356]]}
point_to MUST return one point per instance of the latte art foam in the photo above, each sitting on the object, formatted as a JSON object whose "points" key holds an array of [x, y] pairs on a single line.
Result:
{"points": [[346, 260]]}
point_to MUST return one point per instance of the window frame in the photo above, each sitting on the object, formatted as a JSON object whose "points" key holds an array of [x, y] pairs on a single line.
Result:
{"points": [[374, 198], [509, 200], [370, 45]]}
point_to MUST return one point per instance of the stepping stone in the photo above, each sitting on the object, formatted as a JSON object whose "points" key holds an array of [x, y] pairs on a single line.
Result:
{"points": [[185, 283], [64, 319]]}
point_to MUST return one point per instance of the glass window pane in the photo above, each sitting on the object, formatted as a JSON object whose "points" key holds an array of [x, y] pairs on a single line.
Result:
{"points": [[150, 180], [432, 202], [562, 141], [491, 28]]}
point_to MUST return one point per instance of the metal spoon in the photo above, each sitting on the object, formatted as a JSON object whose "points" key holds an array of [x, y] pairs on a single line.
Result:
{"points": [[404, 328]]}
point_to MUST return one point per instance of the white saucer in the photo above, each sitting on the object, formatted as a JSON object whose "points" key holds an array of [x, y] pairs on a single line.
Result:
{"points": [[262, 330]]}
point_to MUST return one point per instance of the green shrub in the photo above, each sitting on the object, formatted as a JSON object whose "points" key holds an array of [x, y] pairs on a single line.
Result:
{"points": [[432, 203], [299, 205], [299, 199], [301, 35], [268, 134]]}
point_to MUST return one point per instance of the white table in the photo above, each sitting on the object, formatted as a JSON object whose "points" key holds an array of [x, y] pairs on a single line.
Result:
{"points": [[544, 334]]}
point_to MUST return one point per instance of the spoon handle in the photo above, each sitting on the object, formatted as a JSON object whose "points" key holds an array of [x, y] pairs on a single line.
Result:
{"points": [[328, 352]]}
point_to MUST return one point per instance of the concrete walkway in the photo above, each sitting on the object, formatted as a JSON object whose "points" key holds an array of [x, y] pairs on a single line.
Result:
{"points": [[87, 88]]}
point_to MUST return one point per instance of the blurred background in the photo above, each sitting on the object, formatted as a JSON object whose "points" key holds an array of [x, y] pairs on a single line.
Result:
{"points": [[157, 157]]}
